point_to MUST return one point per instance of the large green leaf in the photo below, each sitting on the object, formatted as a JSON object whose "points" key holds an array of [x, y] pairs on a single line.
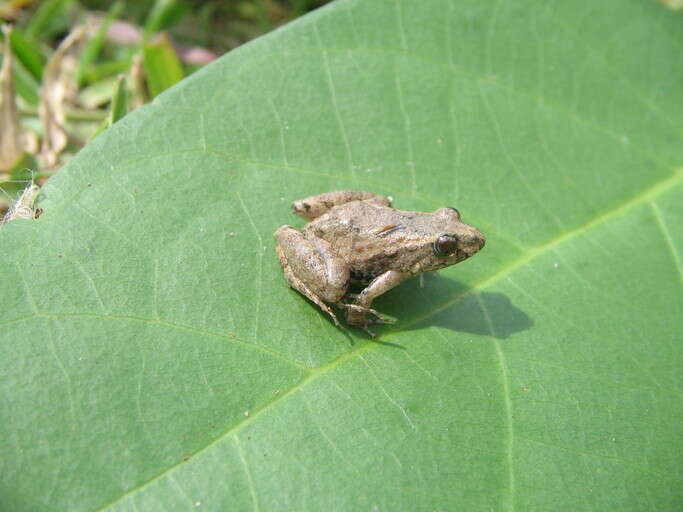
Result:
{"points": [[153, 358]]}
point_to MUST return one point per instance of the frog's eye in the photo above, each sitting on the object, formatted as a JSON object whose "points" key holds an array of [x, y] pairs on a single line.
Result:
{"points": [[457, 212], [448, 212], [445, 245]]}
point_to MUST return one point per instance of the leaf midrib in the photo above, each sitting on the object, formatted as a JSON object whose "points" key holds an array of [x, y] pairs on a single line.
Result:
{"points": [[647, 195]]}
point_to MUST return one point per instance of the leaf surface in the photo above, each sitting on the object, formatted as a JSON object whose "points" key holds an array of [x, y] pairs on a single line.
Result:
{"points": [[153, 358]]}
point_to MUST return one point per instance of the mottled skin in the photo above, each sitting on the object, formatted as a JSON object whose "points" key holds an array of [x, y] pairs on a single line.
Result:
{"points": [[357, 237]]}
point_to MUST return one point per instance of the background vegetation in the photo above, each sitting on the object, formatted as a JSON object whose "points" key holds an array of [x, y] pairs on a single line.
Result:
{"points": [[123, 55]]}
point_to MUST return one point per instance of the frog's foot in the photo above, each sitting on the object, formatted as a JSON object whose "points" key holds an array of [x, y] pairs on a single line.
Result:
{"points": [[367, 331], [380, 318], [358, 316]]}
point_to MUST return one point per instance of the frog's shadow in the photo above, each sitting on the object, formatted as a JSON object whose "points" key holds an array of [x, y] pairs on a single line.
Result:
{"points": [[446, 303]]}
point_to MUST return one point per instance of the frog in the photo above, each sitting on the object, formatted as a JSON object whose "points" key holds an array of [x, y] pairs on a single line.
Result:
{"points": [[357, 240]]}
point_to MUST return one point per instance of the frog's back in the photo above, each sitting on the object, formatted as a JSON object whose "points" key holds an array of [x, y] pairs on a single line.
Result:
{"points": [[369, 223], [373, 239]]}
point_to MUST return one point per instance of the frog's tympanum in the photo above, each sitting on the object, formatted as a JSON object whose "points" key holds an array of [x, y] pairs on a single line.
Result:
{"points": [[357, 238]]}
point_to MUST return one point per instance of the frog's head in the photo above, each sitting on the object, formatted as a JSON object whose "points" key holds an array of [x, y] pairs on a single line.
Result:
{"points": [[453, 242]]}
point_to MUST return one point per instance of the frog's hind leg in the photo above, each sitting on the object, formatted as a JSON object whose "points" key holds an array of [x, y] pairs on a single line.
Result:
{"points": [[314, 206], [311, 268], [357, 316], [299, 286]]}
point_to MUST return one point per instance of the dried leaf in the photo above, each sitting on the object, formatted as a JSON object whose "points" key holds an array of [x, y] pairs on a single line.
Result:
{"points": [[676, 5], [58, 87], [14, 141], [137, 80]]}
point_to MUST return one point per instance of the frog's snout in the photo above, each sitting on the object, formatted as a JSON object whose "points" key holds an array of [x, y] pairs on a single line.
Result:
{"points": [[471, 242]]}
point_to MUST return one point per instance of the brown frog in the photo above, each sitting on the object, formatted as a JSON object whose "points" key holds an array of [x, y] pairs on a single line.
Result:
{"points": [[356, 237]]}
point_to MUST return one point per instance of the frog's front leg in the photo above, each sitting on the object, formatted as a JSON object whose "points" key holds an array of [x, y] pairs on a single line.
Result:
{"points": [[314, 206], [381, 284], [312, 268]]}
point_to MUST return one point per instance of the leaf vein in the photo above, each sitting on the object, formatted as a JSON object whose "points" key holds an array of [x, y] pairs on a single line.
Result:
{"points": [[229, 337], [259, 286], [250, 481], [329, 441], [667, 238], [335, 103], [509, 500], [389, 397], [654, 191]]}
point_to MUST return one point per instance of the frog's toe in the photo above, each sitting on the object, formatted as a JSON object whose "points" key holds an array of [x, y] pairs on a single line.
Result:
{"points": [[358, 315], [384, 319], [381, 318], [357, 309]]}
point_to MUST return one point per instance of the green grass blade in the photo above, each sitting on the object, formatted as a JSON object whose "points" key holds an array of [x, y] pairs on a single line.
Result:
{"points": [[28, 53], [97, 94], [118, 106], [162, 65], [101, 70], [163, 15], [25, 83], [119, 102], [48, 10], [94, 45]]}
